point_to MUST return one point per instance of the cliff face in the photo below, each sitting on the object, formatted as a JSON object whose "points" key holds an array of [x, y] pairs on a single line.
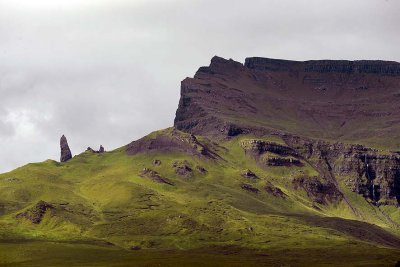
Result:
{"points": [[385, 68], [372, 173], [324, 110], [348, 101]]}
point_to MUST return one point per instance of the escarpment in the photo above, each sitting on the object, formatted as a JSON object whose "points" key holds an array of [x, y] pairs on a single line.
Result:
{"points": [[331, 114], [370, 172], [388, 68], [346, 101]]}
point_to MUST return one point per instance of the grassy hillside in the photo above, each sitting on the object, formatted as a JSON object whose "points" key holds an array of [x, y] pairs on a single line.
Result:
{"points": [[176, 197]]}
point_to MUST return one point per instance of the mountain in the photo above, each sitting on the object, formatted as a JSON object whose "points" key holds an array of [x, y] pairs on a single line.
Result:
{"points": [[270, 162], [348, 101]]}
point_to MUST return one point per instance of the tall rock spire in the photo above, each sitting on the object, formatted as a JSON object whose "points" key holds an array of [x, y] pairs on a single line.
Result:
{"points": [[65, 151]]}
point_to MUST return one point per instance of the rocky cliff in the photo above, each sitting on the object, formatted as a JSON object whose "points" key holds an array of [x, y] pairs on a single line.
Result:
{"points": [[386, 68], [370, 172], [347, 101], [342, 117]]}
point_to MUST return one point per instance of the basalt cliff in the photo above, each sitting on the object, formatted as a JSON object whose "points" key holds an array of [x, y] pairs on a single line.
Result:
{"points": [[343, 117]]}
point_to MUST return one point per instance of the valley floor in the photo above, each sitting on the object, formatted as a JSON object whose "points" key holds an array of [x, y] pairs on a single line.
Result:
{"points": [[38, 253]]}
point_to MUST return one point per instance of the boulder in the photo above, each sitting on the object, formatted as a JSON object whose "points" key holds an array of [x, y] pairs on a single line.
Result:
{"points": [[157, 162], [249, 174]]}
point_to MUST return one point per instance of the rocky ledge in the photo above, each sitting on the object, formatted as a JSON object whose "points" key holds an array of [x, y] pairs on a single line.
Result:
{"points": [[389, 68]]}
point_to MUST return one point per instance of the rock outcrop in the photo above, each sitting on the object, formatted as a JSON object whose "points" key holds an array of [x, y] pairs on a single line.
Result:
{"points": [[171, 140], [249, 174], [65, 151], [101, 150], [326, 99], [35, 214], [155, 176], [249, 188], [323, 66], [343, 103], [182, 168], [372, 173]]}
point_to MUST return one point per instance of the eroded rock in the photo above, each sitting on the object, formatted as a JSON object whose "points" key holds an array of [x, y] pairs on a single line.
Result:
{"points": [[201, 169], [155, 176], [183, 168], [275, 191], [372, 173], [249, 188], [157, 162], [249, 174], [36, 213], [65, 151], [321, 192]]}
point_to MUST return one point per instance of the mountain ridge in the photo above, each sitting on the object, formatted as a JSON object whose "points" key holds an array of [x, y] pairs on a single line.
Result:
{"points": [[391, 68], [261, 167]]}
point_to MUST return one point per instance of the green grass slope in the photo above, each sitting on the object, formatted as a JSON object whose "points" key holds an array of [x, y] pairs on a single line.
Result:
{"points": [[160, 202]]}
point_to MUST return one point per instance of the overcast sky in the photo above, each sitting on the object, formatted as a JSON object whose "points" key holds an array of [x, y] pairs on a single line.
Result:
{"points": [[108, 71]]}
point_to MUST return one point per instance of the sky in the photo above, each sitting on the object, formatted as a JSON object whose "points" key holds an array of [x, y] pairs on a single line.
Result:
{"points": [[108, 71]]}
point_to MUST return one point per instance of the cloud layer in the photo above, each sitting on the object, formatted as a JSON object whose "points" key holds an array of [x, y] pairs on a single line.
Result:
{"points": [[108, 72]]}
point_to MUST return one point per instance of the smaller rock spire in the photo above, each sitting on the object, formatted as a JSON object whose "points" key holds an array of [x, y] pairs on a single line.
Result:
{"points": [[65, 151]]}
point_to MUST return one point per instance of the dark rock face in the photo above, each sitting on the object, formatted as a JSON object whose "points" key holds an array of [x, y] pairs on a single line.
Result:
{"points": [[275, 191], [322, 190], [250, 188], [174, 141], [101, 149], [282, 155], [249, 174], [277, 161], [321, 193], [65, 151], [304, 103], [369, 172], [234, 130], [339, 66], [259, 147], [182, 168], [326, 99], [36, 213]]}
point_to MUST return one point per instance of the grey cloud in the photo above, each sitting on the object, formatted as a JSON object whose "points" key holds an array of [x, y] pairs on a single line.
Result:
{"points": [[108, 72]]}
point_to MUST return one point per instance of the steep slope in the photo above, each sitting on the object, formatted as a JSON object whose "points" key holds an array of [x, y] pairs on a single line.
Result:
{"points": [[346, 101], [340, 116]]}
